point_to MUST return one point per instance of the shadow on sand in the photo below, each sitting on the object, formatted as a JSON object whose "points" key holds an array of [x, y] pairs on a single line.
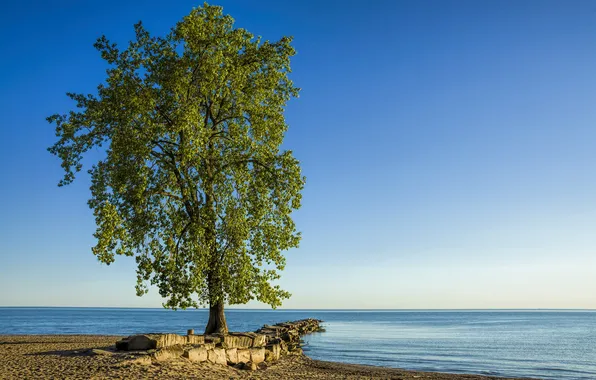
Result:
{"points": [[107, 350]]}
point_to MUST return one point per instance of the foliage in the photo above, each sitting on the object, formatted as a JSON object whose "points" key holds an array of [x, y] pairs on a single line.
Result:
{"points": [[194, 183]]}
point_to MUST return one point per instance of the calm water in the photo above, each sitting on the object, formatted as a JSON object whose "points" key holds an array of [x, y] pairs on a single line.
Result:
{"points": [[540, 344]]}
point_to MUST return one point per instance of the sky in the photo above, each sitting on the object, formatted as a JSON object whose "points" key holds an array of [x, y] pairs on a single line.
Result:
{"points": [[448, 146]]}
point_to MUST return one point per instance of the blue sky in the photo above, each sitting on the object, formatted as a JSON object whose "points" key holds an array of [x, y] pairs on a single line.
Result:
{"points": [[449, 150]]}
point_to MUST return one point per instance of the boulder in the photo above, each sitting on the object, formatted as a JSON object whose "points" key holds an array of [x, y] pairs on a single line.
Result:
{"points": [[250, 366], [269, 356], [243, 355], [195, 339], [244, 340], [291, 336], [232, 356], [167, 353], [215, 339], [272, 331], [272, 352], [257, 355], [150, 341], [259, 340], [220, 356], [136, 342], [198, 354], [217, 356], [168, 340], [270, 335], [274, 327], [237, 340]]}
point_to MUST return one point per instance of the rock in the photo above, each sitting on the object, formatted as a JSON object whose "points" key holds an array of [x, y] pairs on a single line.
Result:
{"points": [[198, 354], [195, 339], [275, 341], [211, 356], [149, 341], [269, 356], [269, 335], [250, 366], [272, 352], [217, 356], [274, 327], [232, 356], [259, 340], [243, 355], [168, 353], [250, 348], [257, 355], [215, 339], [262, 365], [291, 336], [136, 342], [220, 356], [277, 332], [237, 340], [167, 340], [244, 340]]}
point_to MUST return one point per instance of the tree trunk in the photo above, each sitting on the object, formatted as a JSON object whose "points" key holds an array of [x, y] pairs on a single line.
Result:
{"points": [[217, 320]]}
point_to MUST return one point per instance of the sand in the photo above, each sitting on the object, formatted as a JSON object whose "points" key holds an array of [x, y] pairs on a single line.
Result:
{"points": [[71, 357]]}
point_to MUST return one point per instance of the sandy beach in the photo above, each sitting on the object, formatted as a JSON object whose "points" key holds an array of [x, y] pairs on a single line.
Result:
{"points": [[72, 357]]}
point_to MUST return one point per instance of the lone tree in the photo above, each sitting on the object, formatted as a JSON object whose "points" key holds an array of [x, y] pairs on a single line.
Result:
{"points": [[193, 182]]}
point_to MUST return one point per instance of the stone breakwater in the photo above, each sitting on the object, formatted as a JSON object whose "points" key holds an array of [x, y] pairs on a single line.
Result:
{"points": [[243, 350]]}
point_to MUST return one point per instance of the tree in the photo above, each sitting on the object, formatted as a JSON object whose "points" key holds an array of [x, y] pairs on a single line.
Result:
{"points": [[193, 182]]}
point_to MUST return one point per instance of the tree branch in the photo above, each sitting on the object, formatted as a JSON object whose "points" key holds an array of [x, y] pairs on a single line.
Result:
{"points": [[253, 161], [180, 237], [230, 118], [165, 193], [179, 179]]}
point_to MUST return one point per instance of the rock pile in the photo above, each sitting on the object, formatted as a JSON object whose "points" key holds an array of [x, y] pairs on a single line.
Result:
{"points": [[247, 350], [154, 341], [287, 335]]}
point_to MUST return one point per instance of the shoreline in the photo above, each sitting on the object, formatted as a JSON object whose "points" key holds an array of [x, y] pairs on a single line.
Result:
{"points": [[72, 356]]}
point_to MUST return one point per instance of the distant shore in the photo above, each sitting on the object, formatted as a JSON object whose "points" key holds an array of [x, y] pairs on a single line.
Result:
{"points": [[71, 356]]}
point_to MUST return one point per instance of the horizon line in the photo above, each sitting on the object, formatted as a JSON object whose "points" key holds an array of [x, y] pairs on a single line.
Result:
{"points": [[301, 309]]}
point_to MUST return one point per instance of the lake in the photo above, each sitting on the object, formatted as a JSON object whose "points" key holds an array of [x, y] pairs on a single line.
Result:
{"points": [[518, 343]]}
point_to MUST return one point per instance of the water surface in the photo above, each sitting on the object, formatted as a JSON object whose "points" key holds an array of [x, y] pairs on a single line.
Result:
{"points": [[540, 344]]}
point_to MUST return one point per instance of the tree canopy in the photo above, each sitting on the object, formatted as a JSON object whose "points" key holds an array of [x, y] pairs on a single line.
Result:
{"points": [[194, 183]]}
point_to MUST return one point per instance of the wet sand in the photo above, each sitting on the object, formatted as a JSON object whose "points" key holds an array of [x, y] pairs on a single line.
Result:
{"points": [[71, 357]]}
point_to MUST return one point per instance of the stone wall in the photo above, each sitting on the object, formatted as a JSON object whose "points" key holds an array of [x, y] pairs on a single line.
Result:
{"points": [[247, 350]]}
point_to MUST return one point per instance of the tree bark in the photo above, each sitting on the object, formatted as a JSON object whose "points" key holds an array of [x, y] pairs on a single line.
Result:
{"points": [[217, 320]]}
